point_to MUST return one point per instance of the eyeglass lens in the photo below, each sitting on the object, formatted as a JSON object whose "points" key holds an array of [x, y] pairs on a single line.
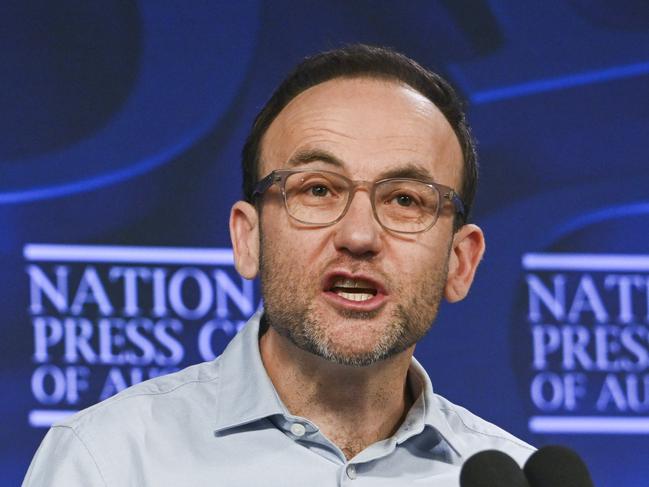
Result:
{"points": [[400, 204]]}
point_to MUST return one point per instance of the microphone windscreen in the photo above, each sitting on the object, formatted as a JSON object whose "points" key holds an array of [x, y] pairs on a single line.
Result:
{"points": [[492, 468], [556, 466]]}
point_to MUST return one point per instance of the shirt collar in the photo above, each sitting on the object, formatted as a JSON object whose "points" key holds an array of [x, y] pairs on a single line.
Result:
{"points": [[428, 412], [246, 393]]}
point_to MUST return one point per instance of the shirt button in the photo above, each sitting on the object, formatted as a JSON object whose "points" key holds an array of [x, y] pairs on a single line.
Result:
{"points": [[298, 429], [351, 472]]}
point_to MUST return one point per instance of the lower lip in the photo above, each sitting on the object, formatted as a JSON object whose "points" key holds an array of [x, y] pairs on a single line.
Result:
{"points": [[370, 305]]}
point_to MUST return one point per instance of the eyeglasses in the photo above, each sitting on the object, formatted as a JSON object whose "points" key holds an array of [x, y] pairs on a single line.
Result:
{"points": [[321, 198]]}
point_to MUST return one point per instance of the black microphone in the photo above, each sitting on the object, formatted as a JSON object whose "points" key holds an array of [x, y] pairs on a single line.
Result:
{"points": [[492, 468], [557, 466]]}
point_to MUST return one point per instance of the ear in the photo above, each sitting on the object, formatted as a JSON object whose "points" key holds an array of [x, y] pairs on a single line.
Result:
{"points": [[244, 232], [466, 252]]}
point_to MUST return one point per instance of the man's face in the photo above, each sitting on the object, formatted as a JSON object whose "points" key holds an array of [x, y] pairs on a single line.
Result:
{"points": [[366, 129]]}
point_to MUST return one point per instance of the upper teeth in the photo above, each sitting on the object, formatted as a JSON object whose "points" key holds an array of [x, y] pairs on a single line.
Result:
{"points": [[351, 283]]}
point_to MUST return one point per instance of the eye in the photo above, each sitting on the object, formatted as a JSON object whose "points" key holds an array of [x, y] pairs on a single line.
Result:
{"points": [[403, 200], [319, 190]]}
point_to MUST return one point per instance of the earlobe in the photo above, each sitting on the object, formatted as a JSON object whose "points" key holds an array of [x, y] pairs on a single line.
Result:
{"points": [[466, 253], [244, 233]]}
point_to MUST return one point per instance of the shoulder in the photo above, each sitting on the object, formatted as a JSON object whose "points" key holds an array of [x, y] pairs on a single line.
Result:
{"points": [[193, 385], [149, 408], [477, 434], [107, 444]]}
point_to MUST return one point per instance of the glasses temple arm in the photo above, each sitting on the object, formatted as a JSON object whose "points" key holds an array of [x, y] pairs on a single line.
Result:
{"points": [[263, 185], [454, 198]]}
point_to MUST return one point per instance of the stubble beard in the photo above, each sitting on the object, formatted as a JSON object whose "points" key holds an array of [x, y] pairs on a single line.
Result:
{"points": [[291, 312]]}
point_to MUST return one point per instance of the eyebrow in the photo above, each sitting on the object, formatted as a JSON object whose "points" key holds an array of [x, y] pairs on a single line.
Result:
{"points": [[409, 170], [307, 156]]}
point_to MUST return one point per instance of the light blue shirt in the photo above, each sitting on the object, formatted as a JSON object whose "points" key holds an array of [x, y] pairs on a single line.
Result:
{"points": [[221, 423]]}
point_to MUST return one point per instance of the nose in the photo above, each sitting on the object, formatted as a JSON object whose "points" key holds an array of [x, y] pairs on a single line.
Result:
{"points": [[358, 232]]}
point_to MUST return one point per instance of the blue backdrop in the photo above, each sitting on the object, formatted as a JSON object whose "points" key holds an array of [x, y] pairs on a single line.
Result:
{"points": [[121, 128]]}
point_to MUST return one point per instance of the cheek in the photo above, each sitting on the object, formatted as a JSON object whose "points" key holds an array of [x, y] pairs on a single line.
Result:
{"points": [[290, 246], [274, 221], [423, 260]]}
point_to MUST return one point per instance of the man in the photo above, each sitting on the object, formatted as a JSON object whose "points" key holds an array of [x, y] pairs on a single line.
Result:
{"points": [[354, 221]]}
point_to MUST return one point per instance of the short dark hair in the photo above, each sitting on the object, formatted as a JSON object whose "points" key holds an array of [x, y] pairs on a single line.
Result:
{"points": [[359, 61]]}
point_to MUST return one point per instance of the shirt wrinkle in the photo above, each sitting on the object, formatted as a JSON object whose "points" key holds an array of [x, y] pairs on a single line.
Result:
{"points": [[85, 446], [485, 433]]}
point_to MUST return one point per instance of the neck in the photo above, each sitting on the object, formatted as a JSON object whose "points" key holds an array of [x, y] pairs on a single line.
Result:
{"points": [[353, 406]]}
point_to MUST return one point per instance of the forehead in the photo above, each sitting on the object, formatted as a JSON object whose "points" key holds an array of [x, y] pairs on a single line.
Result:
{"points": [[370, 125]]}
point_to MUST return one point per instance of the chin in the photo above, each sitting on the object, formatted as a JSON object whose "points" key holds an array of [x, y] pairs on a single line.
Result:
{"points": [[359, 351]]}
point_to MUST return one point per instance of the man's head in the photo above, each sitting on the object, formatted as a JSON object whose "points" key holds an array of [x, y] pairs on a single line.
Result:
{"points": [[361, 61], [355, 292]]}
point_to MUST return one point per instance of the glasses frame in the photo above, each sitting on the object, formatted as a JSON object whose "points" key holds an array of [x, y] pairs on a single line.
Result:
{"points": [[279, 177]]}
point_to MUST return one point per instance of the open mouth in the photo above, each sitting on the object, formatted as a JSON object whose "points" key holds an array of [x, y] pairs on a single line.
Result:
{"points": [[358, 290]]}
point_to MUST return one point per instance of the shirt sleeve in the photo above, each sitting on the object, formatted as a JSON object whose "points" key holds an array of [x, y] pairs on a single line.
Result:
{"points": [[63, 460]]}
